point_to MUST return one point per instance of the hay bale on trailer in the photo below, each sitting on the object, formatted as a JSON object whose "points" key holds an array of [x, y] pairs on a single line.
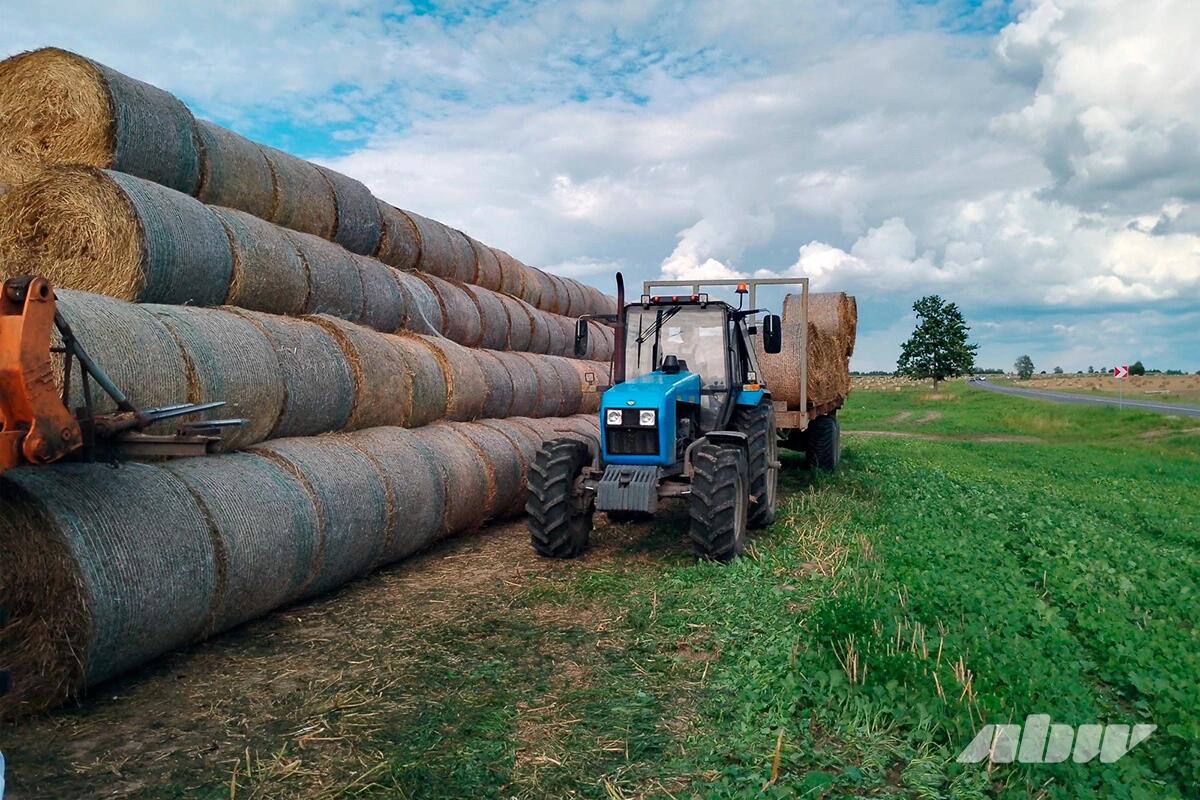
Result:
{"points": [[832, 326]]}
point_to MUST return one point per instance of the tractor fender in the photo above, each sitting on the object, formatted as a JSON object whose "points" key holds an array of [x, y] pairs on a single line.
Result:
{"points": [[728, 438]]}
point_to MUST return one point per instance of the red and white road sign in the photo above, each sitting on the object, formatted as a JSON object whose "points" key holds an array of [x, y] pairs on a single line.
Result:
{"points": [[1121, 371]]}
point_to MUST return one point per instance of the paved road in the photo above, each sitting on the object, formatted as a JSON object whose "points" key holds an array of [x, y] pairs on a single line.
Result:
{"points": [[1088, 400]]}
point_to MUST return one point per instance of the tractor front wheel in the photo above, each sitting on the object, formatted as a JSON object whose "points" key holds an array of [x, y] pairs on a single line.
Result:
{"points": [[560, 517], [720, 500], [762, 448]]}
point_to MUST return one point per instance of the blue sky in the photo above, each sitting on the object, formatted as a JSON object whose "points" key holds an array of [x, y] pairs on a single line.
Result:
{"points": [[1036, 161]]}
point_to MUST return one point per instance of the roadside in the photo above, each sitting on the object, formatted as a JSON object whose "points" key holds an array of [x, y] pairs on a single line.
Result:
{"points": [[1083, 399]]}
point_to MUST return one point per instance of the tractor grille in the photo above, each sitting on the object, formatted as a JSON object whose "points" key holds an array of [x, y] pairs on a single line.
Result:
{"points": [[637, 441]]}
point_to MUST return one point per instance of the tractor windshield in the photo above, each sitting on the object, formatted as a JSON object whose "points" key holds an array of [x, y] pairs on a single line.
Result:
{"points": [[694, 335]]}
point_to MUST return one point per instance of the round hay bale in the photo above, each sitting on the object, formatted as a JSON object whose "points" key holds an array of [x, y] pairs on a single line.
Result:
{"points": [[550, 396], [586, 428], [487, 267], [109, 233], [538, 291], [427, 380], [411, 469], [592, 376], [318, 385], [465, 475], [540, 327], [400, 243], [382, 391], [229, 358], [445, 252], [111, 331], [57, 107], [527, 444], [303, 197], [504, 463], [234, 173], [357, 223], [499, 384], [460, 314], [572, 391], [600, 341], [512, 274], [130, 560], [558, 300], [268, 272], [335, 283], [562, 335], [520, 324], [493, 319], [831, 320], [384, 302], [423, 312], [577, 302], [266, 528], [466, 391], [525, 384], [352, 501]]}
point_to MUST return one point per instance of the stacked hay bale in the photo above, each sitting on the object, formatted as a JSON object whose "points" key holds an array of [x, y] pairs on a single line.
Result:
{"points": [[107, 568], [832, 327], [57, 107]]}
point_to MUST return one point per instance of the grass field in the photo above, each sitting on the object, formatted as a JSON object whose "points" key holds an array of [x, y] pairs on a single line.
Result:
{"points": [[979, 558]]}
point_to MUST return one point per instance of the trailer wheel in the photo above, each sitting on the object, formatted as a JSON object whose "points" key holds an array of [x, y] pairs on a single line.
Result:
{"points": [[823, 443], [719, 502], [762, 450], [560, 518]]}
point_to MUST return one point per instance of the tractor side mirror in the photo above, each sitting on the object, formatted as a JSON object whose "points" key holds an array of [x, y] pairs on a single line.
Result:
{"points": [[772, 333], [581, 338]]}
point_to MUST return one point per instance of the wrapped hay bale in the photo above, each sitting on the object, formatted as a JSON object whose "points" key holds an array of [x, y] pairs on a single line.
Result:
{"points": [[527, 443], [229, 358], [499, 383], [419, 494], [57, 107], [335, 283], [540, 327], [380, 373], [525, 394], [493, 319], [487, 267], [357, 223], [266, 531], [235, 172], [103, 569], [554, 294], [550, 394], [572, 387], [468, 486], [445, 252], [503, 463], [110, 233], [400, 243], [561, 334], [512, 274], [303, 199], [466, 391], [577, 304], [423, 309], [354, 504], [593, 376], [427, 379], [460, 315], [520, 324], [318, 386], [385, 305], [268, 272], [832, 318], [110, 330]]}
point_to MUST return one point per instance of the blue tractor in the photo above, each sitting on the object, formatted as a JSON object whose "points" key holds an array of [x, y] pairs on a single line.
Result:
{"points": [[687, 416]]}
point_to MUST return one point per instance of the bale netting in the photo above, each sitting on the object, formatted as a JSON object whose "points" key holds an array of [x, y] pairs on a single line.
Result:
{"points": [[445, 252], [303, 197], [460, 314], [399, 242], [268, 272], [335, 284], [466, 477], [513, 277], [105, 232], [427, 379], [572, 394], [550, 385], [358, 226], [354, 504], [57, 107], [525, 394], [561, 333], [503, 463], [487, 267], [527, 442], [539, 333], [228, 358], [493, 318], [500, 388], [380, 372], [104, 569], [593, 377], [520, 323], [832, 319], [419, 493], [266, 530], [385, 303], [236, 173], [466, 389], [423, 310], [318, 385]]}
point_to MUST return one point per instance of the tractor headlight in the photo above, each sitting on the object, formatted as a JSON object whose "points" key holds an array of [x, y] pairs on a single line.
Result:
{"points": [[613, 416], [647, 417]]}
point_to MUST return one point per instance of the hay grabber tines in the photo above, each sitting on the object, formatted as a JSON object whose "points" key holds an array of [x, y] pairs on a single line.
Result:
{"points": [[36, 426]]}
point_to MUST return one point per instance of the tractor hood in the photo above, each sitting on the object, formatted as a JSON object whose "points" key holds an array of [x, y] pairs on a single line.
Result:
{"points": [[627, 441], [654, 390]]}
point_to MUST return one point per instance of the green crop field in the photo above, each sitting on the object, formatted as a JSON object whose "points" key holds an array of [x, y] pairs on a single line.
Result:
{"points": [[978, 559]]}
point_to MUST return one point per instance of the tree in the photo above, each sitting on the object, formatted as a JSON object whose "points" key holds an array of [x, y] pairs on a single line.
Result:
{"points": [[1137, 368], [938, 348], [1024, 368], [1091, 370], [1058, 370]]}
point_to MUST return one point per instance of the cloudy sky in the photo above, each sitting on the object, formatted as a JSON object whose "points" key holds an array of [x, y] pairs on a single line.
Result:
{"points": [[1037, 161]]}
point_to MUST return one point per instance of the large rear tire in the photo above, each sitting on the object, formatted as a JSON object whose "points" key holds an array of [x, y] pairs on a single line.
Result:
{"points": [[719, 502], [762, 451], [560, 518], [823, 443]]}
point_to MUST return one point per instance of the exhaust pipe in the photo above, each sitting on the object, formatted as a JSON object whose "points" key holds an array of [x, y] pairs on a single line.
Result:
{"points": [[618, 375]]}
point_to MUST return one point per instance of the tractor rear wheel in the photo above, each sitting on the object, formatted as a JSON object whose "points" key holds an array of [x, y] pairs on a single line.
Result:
{"points": [[719, 502], [560, 518], [762, 450], [823, 443]]}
